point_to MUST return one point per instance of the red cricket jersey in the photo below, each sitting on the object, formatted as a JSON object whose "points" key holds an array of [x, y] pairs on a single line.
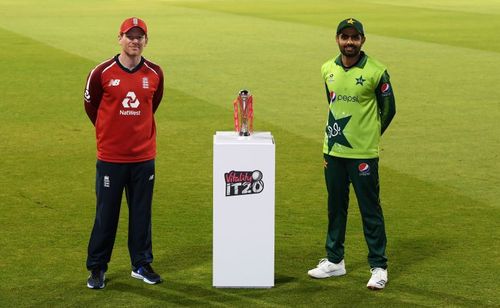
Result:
{"points": [[121, 104]]}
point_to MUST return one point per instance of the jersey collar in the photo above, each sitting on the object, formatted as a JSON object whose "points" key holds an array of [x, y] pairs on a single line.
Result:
{"points": [[135, 69], [361, 61]]}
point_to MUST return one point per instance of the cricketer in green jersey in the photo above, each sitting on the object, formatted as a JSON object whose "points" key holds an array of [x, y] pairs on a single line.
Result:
{"points": [[361, 107]]}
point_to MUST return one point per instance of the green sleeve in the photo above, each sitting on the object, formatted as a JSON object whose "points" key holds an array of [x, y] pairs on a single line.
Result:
{"points": [[385, 101]]}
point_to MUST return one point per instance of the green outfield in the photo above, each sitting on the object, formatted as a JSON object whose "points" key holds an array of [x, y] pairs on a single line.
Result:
{"points": [[440, 170]]}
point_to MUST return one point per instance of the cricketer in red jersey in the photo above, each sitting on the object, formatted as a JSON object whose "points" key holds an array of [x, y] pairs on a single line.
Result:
{"points": [[121, 97]]}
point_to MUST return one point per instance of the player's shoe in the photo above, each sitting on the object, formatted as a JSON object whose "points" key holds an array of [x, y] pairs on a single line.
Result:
{"points": [[147, 274], [326, 269], [96, 279], [378, 279]]}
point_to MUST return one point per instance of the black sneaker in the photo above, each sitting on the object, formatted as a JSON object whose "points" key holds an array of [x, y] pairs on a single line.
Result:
{"points": [[147, 274], [96, 279]]}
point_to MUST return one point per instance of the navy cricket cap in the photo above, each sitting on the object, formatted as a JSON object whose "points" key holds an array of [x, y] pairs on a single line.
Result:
{"points": [[351, 23]]}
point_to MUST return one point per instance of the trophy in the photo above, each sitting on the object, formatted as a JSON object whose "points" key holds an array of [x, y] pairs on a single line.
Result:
{"points": [[243, 113]]}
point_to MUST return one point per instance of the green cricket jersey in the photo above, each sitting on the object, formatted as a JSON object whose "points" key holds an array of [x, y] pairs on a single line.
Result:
{"points": [[361, 106]]}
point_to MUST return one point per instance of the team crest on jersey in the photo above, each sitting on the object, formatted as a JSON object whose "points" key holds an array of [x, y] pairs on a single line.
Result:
{"points": [[364, 169], [145, 83], [330, 78], [360, 80]]}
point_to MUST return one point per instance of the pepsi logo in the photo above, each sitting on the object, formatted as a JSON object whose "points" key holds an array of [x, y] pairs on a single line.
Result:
{"points": [[333, 96], [364, 167], [385, 88]]}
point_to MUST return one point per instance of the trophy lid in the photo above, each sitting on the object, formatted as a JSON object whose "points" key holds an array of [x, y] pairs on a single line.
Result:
{"points": [[244, 92]]}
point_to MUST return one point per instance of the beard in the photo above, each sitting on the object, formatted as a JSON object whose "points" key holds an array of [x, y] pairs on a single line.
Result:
{"points": [[350, 51]]}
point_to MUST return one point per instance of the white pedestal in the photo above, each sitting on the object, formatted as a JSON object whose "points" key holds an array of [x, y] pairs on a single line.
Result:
{"points": [[243, 210]]}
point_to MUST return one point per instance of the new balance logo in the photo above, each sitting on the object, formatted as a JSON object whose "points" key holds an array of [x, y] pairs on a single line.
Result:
{"points": [[114, 82]]}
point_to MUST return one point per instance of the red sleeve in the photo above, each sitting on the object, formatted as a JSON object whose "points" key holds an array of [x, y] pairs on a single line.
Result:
{"points": [[93, 94], [159, 91]]}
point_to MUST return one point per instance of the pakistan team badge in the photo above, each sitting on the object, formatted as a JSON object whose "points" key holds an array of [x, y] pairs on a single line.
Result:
{"points": [[360, 80], [334, 131]]}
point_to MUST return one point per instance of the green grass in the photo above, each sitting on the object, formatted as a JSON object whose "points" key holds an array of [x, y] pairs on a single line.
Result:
{"points": [[439, 165]]}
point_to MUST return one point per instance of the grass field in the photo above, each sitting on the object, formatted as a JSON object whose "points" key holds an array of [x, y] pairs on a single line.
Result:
{"points": [[440, 170]]}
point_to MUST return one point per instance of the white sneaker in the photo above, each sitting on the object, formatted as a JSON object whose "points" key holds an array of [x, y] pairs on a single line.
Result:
{"points": [[326, 269], [378, 279]]}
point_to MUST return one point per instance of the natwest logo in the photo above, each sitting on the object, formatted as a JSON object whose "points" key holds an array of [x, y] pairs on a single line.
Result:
{"points": [[130, 101], [240, 183]]}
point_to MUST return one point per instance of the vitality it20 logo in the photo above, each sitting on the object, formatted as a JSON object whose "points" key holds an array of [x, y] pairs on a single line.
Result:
{"points": [[240, 183]]}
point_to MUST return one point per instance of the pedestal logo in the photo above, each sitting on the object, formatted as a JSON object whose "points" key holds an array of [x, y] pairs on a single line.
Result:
{"points": [[239, 183]]}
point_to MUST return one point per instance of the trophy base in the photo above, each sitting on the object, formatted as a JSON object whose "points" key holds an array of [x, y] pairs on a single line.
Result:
{"points": [[246, 134]]}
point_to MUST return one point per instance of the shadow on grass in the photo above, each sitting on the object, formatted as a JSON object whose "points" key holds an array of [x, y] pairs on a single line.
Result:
{"points": [[442, 298], [409, 253], [183, 294], [334, 291], [280, 280]]}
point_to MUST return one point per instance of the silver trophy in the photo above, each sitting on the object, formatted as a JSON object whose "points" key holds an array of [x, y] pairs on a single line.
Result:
{"points": [[243, 113]]}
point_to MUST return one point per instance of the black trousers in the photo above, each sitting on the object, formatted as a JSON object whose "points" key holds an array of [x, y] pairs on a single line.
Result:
{"points": [[137, 179], [363, 174]]}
